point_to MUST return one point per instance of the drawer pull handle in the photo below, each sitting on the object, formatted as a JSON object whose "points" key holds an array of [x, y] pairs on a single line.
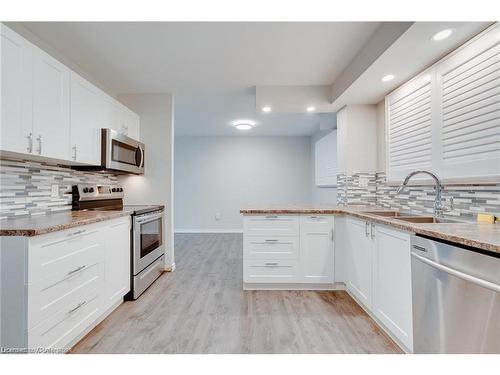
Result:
{"points": [[271, 241], [77, 232], [271, 217], [83, 303], [271, 264], [77, 269]]}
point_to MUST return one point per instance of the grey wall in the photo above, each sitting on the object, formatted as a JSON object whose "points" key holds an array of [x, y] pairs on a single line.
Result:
{"points": [[155, 186], [224, 174], [320, 195]]}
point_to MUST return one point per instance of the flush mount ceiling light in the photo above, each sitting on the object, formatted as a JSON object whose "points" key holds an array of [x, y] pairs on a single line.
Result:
{"points": [[244, 124], [310, 108], [443, 34], [266, 109], [388, 77]]}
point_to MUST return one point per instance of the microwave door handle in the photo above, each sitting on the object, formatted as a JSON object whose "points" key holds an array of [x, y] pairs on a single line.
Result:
{"points": [[141, 164]]}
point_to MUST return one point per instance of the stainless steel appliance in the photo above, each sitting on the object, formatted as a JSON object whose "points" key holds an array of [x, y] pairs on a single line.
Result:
{"points": [[456, 298], [119, 153], [146, 238]]}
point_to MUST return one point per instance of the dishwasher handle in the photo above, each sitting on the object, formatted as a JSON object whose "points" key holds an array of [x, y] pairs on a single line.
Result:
{"points": [[472, 279]]}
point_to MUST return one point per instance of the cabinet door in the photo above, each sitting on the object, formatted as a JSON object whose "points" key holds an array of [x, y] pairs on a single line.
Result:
{"points": [[408, 128], [359, 261], [109, 114], [117, 262], [316, 249], [469, 110], [85, 129], [50, 107], [392, 298], [16, 99]]}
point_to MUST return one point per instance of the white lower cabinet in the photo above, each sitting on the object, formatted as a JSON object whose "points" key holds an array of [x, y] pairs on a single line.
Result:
{"points": [[392, 298], [358, 256], [288, 249], [56, 286], [316, 249], [379, 275]]}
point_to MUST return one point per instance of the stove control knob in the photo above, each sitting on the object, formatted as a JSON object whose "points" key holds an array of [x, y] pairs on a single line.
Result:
{"points": [[91, 190], [85, 190], [121, 190], [113, 190]]}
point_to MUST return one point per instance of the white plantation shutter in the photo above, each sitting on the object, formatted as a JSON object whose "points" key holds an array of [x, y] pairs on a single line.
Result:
{"points": [[469, 100], [409, 128], [447, 120]]}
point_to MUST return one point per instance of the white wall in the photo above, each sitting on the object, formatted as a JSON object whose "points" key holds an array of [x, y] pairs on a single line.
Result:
{"points": [[381, 136], [224, 174], [156, 185], [320, 195]]}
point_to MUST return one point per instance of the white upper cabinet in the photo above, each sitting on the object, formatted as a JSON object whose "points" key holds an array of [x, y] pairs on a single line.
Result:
{"points": [[326, 160], [49, 111], [357, 134], [85, 121], [447, 119], [16, 85], [50, 106], [468, 85]]}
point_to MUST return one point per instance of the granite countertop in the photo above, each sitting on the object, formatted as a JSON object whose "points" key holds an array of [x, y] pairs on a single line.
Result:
{"points": [[478, 235], [36, 225]]}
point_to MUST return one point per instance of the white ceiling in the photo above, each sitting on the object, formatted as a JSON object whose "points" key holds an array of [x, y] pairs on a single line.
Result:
{"points": [[185, 57], [211, 114]]}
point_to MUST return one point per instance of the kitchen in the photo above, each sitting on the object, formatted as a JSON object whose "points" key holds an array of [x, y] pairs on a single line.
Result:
{"points": [[345, 203]]}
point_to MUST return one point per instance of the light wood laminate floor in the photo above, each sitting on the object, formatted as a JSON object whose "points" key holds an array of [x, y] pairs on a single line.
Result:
{"points": [[201, 308]]}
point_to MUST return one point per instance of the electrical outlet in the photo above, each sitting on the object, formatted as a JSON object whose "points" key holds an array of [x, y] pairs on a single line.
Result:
{"points": [[54, 191], [363, 182], [217, 216]]}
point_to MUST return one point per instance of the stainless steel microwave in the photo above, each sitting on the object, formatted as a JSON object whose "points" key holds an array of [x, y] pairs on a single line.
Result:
{"points": [[120, 153]]}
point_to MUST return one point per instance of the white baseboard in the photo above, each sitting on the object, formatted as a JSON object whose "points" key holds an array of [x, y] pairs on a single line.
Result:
{"points": [[208, 231]]}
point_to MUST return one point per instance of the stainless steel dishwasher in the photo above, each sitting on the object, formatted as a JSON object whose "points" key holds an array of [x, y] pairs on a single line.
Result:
{"points": [[456, 298]]}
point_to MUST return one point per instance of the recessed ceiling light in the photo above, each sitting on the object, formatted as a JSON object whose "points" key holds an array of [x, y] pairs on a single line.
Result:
{"points": [[310, 108], [266, 109], [244, 124], [388, 77], [443, 34]]}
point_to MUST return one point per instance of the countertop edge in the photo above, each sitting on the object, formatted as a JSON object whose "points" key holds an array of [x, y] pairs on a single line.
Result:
{"points": [[30, 232]]}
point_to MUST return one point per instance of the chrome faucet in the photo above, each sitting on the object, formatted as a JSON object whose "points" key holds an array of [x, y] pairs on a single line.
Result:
{"points": [[438, 203]]}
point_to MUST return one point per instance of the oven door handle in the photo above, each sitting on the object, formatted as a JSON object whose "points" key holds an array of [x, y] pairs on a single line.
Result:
{"points": [[141, 164], [142, 220]]}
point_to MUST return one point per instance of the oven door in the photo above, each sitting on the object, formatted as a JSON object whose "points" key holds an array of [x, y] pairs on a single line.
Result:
{"points": [[148, 240], [122, 153]]}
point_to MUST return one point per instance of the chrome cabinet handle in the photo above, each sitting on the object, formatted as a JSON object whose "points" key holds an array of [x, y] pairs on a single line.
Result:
{"points": [[39, 139], [77, 269], [271, 264], [77, 307], [331, 235], [366, 229], [74, 152], [272, 241], [77, 232], [420, 248], [271, 217], [30, 143], [372, 232]]}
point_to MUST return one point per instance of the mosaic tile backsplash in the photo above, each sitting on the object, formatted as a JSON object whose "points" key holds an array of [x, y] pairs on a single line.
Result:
{"points": [[26, 187], [468, 200]]}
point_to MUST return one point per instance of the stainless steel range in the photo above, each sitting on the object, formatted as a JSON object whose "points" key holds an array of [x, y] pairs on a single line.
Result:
{"points": [[146, 236]]}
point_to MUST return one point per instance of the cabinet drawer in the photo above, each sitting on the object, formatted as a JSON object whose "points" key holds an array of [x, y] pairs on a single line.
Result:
{"points": [[46, 299], [320, 223], [57, 255], [278, 225], [271, 247], [270, 271], [60, 329]]}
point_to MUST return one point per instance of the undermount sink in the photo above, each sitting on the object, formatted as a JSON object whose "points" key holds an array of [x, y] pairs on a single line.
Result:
{"points": [[387, 213], [427, 220]]}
